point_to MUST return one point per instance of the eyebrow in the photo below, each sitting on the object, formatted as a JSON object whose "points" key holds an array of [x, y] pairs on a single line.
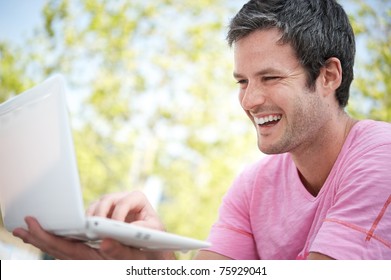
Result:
{"points": [[265, 71], [237, 75]]}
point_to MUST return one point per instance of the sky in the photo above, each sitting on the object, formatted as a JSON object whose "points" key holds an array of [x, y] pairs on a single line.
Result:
{"points": [[18, 18]]}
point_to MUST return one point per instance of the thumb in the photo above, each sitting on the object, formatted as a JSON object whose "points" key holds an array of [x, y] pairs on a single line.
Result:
{"points": [[111, 249]]}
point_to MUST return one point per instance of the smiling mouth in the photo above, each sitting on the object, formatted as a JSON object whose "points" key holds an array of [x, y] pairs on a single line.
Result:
{"points": [[268, 120]]}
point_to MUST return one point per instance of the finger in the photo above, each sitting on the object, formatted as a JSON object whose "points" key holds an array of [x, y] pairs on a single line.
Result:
{"points": [[112, 249], [36, 237], [57, 247], [105, 205], [91, 208], [132, 207], [53, 245]]}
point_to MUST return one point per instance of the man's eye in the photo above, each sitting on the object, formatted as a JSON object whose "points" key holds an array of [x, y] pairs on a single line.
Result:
{"points": [[241, 82], [270, 78]]}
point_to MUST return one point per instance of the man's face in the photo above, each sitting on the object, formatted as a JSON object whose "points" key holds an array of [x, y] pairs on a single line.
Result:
{"points": [[273, 92]]}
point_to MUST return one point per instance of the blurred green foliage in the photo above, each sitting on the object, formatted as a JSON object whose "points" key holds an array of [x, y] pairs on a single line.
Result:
{"points": [[157, 99], [153, 80], [371, 91]]}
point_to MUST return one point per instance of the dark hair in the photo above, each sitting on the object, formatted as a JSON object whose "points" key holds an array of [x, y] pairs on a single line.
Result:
{"points": [[316, 29]]}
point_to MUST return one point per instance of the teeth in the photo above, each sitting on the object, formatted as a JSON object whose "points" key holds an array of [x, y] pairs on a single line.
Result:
{"points": [[266, 119]]}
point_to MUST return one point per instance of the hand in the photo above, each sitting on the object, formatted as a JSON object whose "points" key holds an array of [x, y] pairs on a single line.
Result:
{"points": [[129, 207]]}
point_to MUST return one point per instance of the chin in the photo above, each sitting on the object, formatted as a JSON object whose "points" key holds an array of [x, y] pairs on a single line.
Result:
{"points": [[271, 149]]}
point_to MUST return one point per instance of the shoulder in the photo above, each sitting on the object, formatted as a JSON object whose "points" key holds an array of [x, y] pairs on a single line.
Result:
{"points": [[368, 140], [366, 157], [369, 133]]}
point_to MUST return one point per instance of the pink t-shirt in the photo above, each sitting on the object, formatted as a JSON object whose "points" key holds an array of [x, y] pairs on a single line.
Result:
{"points": [[268, 213]]}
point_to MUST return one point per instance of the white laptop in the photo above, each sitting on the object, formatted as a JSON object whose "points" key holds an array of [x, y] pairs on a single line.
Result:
{"points": [[39, 175]]}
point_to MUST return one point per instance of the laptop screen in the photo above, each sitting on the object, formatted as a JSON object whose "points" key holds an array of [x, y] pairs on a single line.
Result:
{"points": [[38, 172]]}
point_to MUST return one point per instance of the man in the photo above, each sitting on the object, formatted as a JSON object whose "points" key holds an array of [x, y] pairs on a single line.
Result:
{"points": [[324, 190]]}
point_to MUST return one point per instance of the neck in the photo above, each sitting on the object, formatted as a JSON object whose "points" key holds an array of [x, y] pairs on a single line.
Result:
{"points": [[315, 160]]}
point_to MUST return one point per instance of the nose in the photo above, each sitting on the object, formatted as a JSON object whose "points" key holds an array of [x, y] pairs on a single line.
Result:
{"points": [[251, 97]]}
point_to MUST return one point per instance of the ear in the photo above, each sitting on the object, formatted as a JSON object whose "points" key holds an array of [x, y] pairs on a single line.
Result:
{"points": [[331, 74]]}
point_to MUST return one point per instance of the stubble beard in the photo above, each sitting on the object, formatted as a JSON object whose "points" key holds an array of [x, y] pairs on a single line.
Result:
{"points": [[301, 129]]}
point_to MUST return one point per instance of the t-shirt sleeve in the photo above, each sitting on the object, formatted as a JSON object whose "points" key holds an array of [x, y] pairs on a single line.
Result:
{"points": [[231, 235], [358, 225]]}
